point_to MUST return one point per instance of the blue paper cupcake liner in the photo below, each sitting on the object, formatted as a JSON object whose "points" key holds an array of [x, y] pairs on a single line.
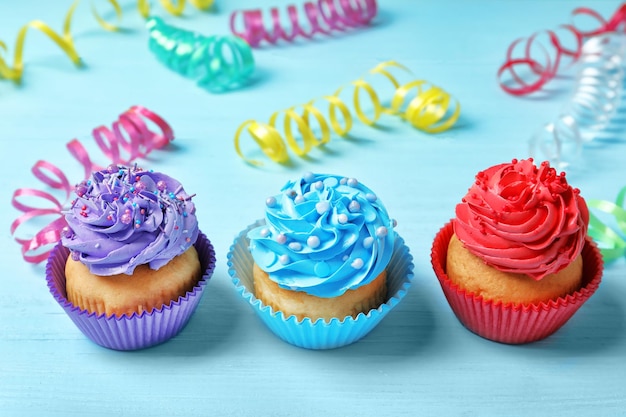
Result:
{"points": [[138, 331], [319, 334]]}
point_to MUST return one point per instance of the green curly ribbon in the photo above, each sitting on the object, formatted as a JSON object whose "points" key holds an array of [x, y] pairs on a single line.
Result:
{"points": [[612, 244]]}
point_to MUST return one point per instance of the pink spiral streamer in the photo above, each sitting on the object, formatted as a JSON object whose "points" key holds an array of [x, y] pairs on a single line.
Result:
{"points": [[545, 66], [323, 17], [129, 133]]}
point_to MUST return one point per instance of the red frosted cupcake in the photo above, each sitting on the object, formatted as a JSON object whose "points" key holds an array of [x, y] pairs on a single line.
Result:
{"points": [[516, 263]]}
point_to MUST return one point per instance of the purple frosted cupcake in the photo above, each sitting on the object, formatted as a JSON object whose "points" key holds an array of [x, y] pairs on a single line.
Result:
{"points": [[132, 258]]}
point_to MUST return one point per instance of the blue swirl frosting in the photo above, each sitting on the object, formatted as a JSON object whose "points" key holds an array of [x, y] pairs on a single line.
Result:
{"points": [[323, 234]]}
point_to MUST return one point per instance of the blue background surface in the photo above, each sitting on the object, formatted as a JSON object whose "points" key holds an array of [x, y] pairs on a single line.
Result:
{"points": [[420, 360]]}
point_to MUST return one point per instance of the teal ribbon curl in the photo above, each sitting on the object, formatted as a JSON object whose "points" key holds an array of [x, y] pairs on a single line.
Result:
{"points": [[218, 63]]}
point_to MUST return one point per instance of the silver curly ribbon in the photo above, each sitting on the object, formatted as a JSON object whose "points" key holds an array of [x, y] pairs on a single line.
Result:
{"points": [[597, 95]]}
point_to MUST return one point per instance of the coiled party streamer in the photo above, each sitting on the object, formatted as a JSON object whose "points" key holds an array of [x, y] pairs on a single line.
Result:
{"points": [[599, 83], [425, 106], [130, 133], [596, 98], [174, 9], [202, 58], [546, 66], [65, 40], [323, 17], [612, 244]]}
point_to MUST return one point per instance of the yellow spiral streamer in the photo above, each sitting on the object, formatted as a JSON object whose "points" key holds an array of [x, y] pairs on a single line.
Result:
{"points": [[103, 23], [425, 106], [174, 7], [65, 41]]}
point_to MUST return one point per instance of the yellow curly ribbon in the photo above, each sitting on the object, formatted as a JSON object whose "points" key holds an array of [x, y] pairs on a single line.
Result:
{"points": [[174, 7], [425, 106], [103, 23], [269, 141], [64, 42]]}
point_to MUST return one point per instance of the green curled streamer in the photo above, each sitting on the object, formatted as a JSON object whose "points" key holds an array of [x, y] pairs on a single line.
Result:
{"points": [[218, 63], [612, 244]]}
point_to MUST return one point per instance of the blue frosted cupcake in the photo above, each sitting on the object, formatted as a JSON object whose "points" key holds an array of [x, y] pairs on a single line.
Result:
{"points": [[326, 254]]}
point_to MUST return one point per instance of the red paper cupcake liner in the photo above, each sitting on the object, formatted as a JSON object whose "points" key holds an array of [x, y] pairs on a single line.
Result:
{"points": [[137, 331], [509, 322]]}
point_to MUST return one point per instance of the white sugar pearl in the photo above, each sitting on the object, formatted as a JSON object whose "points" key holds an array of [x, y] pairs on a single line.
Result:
{"points": [[357, 263], [322, 207], [270, 202], [308, 177], [313, 242]]}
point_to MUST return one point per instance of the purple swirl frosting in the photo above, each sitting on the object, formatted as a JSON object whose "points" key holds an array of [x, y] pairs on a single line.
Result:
{"points": [[124, 217]]}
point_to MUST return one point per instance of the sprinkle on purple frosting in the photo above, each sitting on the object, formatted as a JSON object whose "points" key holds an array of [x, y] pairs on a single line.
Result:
{"points": [[124, 217]]}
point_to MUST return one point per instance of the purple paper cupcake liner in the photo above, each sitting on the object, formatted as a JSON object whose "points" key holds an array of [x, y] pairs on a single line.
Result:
{"points": [[319, 334], [138, 331]]}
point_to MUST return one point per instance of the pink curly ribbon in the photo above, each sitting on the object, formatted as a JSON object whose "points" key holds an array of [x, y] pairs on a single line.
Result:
{"points": [[546, 67], [322, 17], [129, 133], [617, 22]]}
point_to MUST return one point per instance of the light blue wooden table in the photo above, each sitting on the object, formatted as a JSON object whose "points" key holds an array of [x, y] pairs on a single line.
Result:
{"points": [[420, 360]]}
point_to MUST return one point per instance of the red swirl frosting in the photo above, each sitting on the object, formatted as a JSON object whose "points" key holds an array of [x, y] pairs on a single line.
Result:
{"points": [[521, 218]]}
